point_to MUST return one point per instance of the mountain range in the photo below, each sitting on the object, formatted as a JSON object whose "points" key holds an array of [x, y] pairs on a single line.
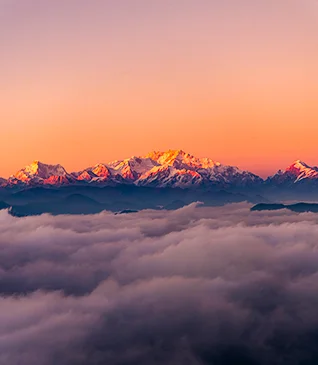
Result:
{"points": [[173, 168], [159, 180]]}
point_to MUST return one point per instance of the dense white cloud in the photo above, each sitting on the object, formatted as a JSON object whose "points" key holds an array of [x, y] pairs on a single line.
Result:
{"points": [[193, 286]]}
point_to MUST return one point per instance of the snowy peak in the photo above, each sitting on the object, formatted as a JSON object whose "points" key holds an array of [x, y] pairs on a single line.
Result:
{"points": [[299, 164], [132, 168], [85, 176], [38, 172], [101, 170], [41, 170], [294, 173], [181, 159], [302, 171], [97, 173]]}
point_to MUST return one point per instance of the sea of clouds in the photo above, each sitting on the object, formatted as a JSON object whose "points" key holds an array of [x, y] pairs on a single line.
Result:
{"points": [[194, 286]]}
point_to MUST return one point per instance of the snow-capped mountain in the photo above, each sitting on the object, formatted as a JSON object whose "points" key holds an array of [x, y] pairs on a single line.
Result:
{"points": [[173, 168], [181, 160], [165, 175], [297, 172], [115, 172], [177, 168], [133, 168], [97, 173], [38, 173]]}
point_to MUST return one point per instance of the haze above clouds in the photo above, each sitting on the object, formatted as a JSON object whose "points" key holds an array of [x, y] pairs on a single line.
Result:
{"points": [[193, 286]]}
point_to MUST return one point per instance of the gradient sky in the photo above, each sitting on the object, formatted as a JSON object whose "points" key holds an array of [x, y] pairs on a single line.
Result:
{"points": [[87, 81]]}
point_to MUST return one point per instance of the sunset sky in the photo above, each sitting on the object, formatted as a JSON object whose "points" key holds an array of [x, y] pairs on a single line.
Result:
{"points": [[87, 81]]}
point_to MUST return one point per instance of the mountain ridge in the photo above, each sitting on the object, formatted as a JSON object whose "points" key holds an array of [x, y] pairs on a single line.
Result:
{"points": [[171, 168]]}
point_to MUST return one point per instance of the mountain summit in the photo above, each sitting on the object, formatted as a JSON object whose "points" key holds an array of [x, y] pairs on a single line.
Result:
{"points": [[181, 159], [41, 173], [297, 172]]}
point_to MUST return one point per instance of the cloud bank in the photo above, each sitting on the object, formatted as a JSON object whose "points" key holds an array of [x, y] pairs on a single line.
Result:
{"points": [[194, 286]]}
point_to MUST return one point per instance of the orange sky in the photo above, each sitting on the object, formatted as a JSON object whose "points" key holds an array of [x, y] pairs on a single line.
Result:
{"points": [[83, 81]]}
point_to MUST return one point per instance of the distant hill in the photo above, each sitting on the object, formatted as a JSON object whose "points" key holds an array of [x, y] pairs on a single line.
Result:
{"points": [[122, 198], [298, 207]]}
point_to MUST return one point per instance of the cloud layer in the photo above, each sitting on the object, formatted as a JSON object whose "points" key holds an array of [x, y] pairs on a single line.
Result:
{"points": [[194, 286]]}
